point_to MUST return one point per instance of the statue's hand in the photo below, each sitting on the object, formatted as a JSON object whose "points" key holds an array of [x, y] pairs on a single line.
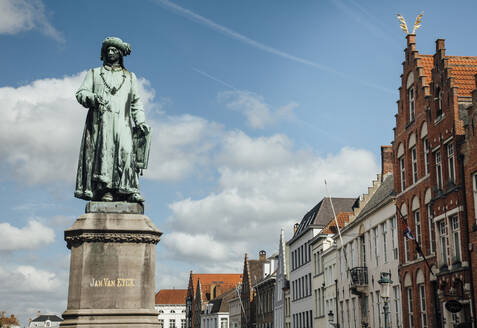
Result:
{"points": [[144, 128], [100, 101]]}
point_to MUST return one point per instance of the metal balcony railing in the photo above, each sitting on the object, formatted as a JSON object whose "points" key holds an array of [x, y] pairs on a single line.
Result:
{"points": [[359, 276]]}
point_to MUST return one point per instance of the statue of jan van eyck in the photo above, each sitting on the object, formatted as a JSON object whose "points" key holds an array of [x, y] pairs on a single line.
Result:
{"points": [[116, 139]]}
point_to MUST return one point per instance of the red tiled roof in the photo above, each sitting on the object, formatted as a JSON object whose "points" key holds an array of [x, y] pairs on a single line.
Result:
{"points": [[341, 218], [463, 69], [223, 282], [171, 296]]}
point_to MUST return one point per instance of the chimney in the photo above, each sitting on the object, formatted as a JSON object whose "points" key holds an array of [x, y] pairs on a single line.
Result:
{"points": [[411, 41], [262, 255], [38, 313], [440, 46], [386, 161]]}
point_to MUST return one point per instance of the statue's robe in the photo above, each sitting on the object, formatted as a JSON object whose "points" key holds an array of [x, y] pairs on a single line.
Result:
{"points": [[107, 159]]}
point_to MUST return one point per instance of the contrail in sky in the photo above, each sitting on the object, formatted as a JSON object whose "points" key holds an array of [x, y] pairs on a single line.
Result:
{"points": [[242, 38], [214, 79]]}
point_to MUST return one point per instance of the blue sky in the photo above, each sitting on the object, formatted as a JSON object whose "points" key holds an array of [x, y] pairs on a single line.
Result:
{"points": [[253, 104]]}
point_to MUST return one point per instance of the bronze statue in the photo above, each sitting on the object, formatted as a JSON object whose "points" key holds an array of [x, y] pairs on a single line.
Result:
{"points": [[115, 143]]}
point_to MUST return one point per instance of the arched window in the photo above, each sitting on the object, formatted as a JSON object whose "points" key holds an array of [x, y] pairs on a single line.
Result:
{"points": [[413, 151], [402, 167], [438, 102], [416, 214], [425, 147], [411, 96]]}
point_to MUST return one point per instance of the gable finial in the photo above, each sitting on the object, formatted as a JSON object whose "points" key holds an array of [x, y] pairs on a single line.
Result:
{"points": [[403, 24], [417, 23]]}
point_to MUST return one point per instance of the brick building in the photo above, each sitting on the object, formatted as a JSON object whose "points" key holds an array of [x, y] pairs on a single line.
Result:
{"points": [[469, 152], [204, 287], [252, 273], [428, 181]]}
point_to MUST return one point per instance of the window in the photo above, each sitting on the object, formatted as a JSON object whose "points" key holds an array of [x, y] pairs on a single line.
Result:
{"points": [[183, 323], [372, 308], [422, 304], [394, 236], [224, 323], [438, 169], [432, 237], [439, 103], [409, 307], [342, 312], [403, 172], [385, 253], [410, 93], [362, 251], [378, 309], [172, 323], [474, 187], [351, 257], [450, 163], [397, 304], [376, 244], [347, 311], [443, 238], [317, 304], [425, 142], [417, 222], [414, 164], [454, 221], [407, 250], [354, 311]]}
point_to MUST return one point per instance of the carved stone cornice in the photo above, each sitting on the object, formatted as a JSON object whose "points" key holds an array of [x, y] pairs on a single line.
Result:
{"points": [[75, 238]]}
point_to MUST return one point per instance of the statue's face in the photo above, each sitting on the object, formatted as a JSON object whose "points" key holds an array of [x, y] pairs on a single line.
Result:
{"points": [[112, 54]]}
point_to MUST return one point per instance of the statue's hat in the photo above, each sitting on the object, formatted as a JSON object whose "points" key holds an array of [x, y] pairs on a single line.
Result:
{"points": [[124, 47]]}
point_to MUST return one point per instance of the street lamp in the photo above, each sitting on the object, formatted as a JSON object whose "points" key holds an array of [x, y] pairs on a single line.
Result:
{"points": [[331, 318], [385, 286]]}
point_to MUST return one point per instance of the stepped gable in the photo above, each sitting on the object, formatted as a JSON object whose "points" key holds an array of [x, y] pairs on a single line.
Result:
{"points": [[385, 190], [171, 296], [215, 284]]}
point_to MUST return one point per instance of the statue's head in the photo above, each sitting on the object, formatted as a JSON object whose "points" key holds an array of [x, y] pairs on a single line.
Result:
{"points": [[113, 47]]}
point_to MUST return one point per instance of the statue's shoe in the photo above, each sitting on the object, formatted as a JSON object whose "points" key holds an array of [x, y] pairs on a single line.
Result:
{"points": [[136, 197], [107, 197]]}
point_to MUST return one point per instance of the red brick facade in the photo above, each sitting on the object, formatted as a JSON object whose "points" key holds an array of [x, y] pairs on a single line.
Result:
{"points": [[429, 185], [469, 151]]}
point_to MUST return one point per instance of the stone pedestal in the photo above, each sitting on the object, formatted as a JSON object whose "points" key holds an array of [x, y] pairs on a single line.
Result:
{"points": [[112, 267]]}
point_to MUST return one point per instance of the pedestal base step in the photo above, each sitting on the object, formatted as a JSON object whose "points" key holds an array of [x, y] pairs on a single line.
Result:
{"points": [[108, 318]]}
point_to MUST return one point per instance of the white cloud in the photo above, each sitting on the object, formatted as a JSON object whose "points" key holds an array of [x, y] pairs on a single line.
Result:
{"points": [[181, 145], [254, 201], [241, 151], [26, 289], [195, 246], [256, 110], [31, 236], [23, 15]]}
